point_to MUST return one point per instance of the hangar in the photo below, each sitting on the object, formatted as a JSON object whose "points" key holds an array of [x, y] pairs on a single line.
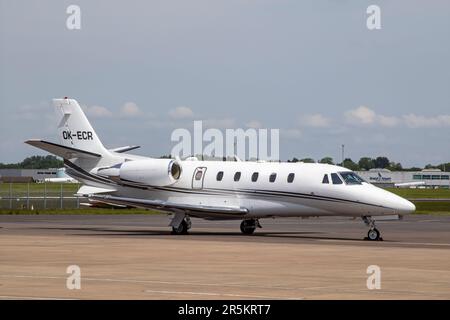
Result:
{"points": [[27, 175], [434, 178]]}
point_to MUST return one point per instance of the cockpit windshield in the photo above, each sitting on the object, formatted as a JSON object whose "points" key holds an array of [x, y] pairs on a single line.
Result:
{"points": [[351, 177]]}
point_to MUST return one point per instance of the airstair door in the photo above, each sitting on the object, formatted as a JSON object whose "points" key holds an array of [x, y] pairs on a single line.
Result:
{"points": [[197, 178]]}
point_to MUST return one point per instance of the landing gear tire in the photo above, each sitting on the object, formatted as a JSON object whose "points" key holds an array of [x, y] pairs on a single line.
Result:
{"points": [[373, 235], [181, 229], [248, 226]]}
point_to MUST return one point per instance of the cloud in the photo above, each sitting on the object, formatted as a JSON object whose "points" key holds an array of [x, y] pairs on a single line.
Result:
{"points": [[130, 109], [315, 120], [387, 121], [254, 124], [97, 112], [418, 121], [360, 115], [181, 112], [365, 116]]}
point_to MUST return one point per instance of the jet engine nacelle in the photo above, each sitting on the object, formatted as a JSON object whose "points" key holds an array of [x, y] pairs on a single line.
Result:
{"points": [[152, 172]]}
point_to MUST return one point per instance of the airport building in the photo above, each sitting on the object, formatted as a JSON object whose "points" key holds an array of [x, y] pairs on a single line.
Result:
{"points": [[26, 175], [430, 178]]}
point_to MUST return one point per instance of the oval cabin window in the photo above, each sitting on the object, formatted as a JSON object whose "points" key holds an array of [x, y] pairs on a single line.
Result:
{"points": [[273, 177], [290, 177]]}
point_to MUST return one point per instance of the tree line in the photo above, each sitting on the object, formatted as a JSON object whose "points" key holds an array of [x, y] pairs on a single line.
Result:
{"points": [[365, 163], [35, 162]]}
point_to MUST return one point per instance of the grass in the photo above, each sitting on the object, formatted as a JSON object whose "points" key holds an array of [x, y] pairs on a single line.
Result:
{"points": [[38, 189], [426, 207], [432, 207], [81, 211], [420, 193]]}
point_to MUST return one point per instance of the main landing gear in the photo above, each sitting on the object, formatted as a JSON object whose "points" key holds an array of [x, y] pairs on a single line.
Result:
{"points": [[248, 226], [373, 234], [182, 227]]}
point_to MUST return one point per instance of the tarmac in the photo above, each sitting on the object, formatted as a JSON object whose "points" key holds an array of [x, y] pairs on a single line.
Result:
{"points": [[136, 257]]}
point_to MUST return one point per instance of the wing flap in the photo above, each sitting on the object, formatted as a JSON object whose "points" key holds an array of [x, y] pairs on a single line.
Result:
{"points": [[167, 205]]}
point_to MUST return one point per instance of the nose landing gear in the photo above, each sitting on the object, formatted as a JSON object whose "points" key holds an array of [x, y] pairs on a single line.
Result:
{"points": [[373, 234]]}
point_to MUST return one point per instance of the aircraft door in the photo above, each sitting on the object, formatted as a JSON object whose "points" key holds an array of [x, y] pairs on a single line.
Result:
{"points": [[197, 178]]}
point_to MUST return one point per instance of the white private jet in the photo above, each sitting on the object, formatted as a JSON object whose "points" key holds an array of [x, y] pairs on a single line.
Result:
{"points": [[61, 177], [410, 184], [246, 191]]}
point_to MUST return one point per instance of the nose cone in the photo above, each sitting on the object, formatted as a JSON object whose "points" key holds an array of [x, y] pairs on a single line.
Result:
{"points": [[404, 206], [394, 202]]}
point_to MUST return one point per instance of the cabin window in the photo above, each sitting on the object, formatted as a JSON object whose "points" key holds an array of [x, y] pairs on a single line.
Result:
{"points": [[198, 175], [290, 177], [237, 176], [325, 179], [272, 177], [255, 176], [219, 176], [335, 178]]}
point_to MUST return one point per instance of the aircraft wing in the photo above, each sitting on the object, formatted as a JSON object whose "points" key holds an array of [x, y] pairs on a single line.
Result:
{"points": [[62, 151], [170, 206]]}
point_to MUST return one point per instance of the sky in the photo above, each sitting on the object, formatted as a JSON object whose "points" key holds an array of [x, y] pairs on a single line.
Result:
{"points": [[311, 69]]}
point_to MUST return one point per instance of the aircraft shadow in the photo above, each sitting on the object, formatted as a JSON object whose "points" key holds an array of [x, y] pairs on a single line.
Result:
{"points": [[307, 235]]}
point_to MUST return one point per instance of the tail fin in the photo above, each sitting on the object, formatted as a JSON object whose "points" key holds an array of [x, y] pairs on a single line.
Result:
{"points": [[74, 129]]}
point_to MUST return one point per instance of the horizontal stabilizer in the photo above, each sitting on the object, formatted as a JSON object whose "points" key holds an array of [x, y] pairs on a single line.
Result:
{"points": [[62, 151], [124, 149]]}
